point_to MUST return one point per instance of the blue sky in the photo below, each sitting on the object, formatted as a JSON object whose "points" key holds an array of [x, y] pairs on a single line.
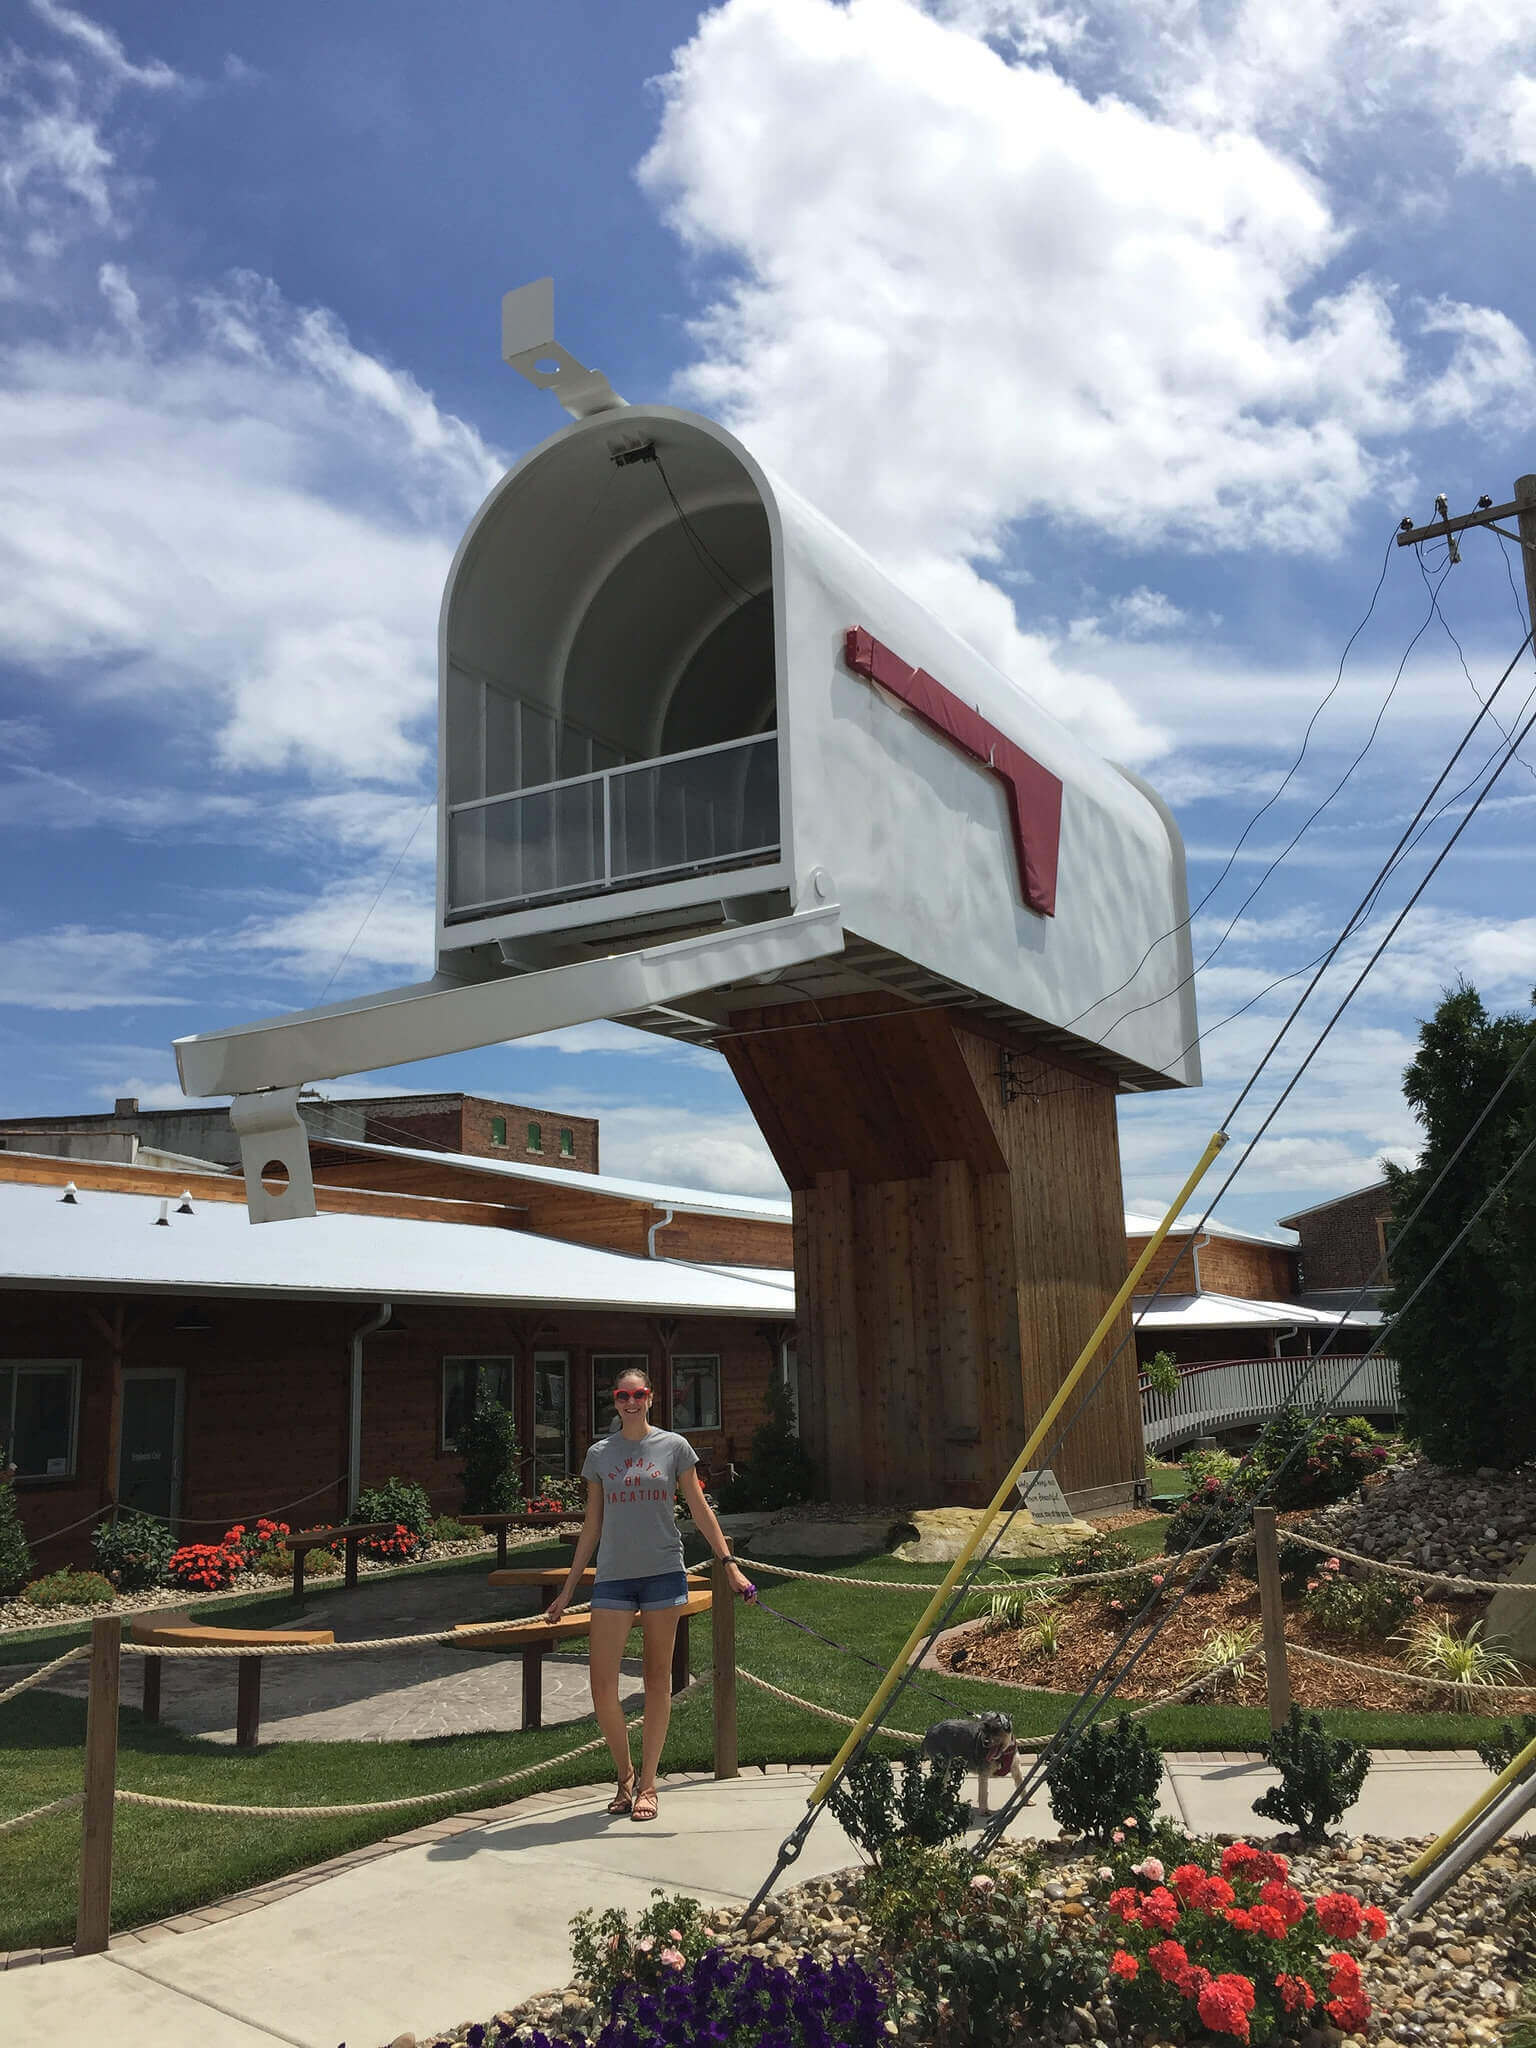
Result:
{"points": [[1125, 347]]}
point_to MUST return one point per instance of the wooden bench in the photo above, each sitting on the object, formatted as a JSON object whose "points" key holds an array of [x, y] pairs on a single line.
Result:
{"points": [[322, 1539], [499, 1524], [534, 1638], [175, 1631]]}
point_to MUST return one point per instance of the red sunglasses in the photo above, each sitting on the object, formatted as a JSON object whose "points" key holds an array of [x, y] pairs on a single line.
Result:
{"points": [[638, 1394]]}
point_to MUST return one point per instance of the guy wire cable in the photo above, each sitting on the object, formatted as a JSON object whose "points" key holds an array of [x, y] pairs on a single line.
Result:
{"points": [[1153, 1002], [791, 1847], [1269, 801], [1026, 1788]]}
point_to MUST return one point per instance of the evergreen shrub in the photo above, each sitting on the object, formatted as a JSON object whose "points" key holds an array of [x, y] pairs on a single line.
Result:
{"points": [[1320, 1776], [68, 1589], [15, 1552], [927, 1807], [493, 1461], [778, 1471], [1104, 1783]]}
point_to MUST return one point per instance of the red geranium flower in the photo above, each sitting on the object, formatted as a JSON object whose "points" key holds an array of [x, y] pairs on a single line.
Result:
{"points": [[1375, 1923], [1268, 1920], [1340, 1915], [1123, 1965], [1123, 1904], [1160, 1909], [1286, 1900], [1170, 1961], [1296, 1994]]}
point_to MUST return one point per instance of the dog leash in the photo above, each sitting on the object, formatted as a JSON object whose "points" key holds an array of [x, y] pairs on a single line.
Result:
{"points": [[756, 1599]]}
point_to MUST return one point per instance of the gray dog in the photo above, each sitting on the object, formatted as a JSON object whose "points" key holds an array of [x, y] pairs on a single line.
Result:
{"points": [[984, 1743]]}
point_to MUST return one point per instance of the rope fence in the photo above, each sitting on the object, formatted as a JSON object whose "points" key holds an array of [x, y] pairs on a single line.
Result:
{"points": [[1403, 1571], [1024, 1584], [43, 1671]]}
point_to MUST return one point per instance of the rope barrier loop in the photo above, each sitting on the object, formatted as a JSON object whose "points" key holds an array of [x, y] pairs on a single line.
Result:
{"points": [[44, 1671]]}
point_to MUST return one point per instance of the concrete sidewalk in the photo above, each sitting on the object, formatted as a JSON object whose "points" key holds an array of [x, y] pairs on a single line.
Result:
{"points": [[463, 1918]]}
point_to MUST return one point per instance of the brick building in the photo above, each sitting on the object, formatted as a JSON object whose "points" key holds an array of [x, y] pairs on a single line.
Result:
{"points": [[155, 1348], [481, 1126], [1343, 1242]]}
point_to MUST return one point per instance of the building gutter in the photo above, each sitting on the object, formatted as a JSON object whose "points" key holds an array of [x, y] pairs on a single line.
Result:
{"points": [[1196, 1246], [1280, 1336], [660, 1224], [375, 1323]]}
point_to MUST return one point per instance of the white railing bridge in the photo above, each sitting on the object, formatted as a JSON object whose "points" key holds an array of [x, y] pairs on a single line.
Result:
{"points": [[1230, 1392]]}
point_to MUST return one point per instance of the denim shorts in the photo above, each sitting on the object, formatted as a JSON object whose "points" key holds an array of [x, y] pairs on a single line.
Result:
{"points": [[660, 1589]]}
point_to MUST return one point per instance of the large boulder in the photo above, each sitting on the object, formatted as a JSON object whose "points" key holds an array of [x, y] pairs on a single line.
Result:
{"points": [[824, 1539], [1513, 1615], [942, 1534]]}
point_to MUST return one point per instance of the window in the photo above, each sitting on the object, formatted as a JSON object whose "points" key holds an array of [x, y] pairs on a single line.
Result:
{"points": [[567, 1144], [696, 1392], [498, 1130], [551, 1414], [38, 1403], [535, 1138], [606, 1368], [468, 1380]]}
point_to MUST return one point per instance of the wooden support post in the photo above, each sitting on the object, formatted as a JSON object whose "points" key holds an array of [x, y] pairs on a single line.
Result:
{"points": [[298, 1573], [1277, 1672], [722, 1616], [680, 1656], [352, 1543], [247, 1702], [533, 1689], [501, 1546], [151, 1688], [93, 1920]]}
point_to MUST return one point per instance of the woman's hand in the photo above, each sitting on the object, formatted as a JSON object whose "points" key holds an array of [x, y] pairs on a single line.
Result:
{"points": [[558, 1605], [740, 1583]]}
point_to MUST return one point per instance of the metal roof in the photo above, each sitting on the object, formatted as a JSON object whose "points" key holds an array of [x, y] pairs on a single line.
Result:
{"points": [[1222, 1311], [1140, 1225], [112, 1241]]}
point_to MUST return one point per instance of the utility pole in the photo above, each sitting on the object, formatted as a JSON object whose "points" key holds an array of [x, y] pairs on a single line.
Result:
{"points": [[1522, 509]]}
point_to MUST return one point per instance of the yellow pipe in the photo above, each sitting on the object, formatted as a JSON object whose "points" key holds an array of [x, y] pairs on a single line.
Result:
{"points": [[1479, 1806], [1106, 1323]]}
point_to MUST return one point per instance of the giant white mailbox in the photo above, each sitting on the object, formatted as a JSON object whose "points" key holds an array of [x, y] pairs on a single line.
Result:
{"points": [[697, 751]]}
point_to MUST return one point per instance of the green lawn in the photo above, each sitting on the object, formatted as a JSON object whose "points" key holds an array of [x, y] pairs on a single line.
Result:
{"points": [[167, 1863]]}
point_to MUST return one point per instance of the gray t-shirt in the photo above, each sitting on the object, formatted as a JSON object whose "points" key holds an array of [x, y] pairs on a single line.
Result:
{"points": [[639, 1480]]}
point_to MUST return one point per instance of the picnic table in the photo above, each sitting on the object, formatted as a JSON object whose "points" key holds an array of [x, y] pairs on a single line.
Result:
{"points": [[534, 1638], [174, 1630], [322, 1539]]}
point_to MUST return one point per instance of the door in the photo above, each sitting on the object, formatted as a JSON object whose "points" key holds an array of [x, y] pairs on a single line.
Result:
{"points": [[149, 1461], [551, 1414]]}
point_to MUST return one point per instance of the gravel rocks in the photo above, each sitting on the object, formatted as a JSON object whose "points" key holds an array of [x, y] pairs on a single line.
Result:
{"points": [[1418, 1514], [1451, 1980]]}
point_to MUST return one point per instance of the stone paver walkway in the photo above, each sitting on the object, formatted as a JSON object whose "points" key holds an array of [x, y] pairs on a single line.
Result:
{"points": [[464, 1917], [378, 1696]]}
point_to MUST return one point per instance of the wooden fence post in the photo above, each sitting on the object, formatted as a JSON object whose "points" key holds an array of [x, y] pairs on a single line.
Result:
{"points": [[93, 1919], [1277, 1672], [722, 1615]]}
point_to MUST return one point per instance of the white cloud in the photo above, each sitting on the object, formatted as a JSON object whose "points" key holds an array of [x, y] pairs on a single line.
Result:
{"points": [[1073, 306], [75, 968]]}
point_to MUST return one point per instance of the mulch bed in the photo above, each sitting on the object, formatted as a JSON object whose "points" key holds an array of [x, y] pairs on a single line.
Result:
{"points": [[1088, 1630]]}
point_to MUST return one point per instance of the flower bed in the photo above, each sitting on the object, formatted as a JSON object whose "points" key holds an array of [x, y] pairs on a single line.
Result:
{"points": [[1452, 1977]]}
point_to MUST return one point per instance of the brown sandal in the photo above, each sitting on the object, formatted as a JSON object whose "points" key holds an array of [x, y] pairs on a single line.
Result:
{"points": [[642, 1797], [623, 1799]]}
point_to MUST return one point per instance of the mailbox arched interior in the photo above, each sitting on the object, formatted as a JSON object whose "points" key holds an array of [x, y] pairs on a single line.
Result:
{"points": [[611, 709]]}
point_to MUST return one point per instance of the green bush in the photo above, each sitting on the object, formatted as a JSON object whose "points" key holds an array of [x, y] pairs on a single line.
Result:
{"points": [[15, 1552], [1298, 1564], [1105, 1781], [908, 1892], [1161, 1373], [493, 1461], [446, 1530], [1368, 1609], [1165, 1840], [132, 1551], [1099, 1554], [778, 1471], [1506, 1743], [401, 1503], [607, 1948], [994, 1970], [1320, 1776], [1329, 1461], [68, 1589], [927, 1808], [1209, 1513], [1213, 1464]]}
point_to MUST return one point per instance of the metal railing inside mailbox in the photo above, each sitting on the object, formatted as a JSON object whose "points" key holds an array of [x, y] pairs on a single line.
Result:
{"points": [[1230, 1392], [616, 827]]}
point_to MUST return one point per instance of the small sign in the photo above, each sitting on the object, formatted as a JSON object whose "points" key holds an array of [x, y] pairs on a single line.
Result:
{"points": [[1043, 1497], [58, 1468]]}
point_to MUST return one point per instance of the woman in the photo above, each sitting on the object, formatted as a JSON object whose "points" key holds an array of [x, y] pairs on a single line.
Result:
{"points": [[632, 1478]]}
